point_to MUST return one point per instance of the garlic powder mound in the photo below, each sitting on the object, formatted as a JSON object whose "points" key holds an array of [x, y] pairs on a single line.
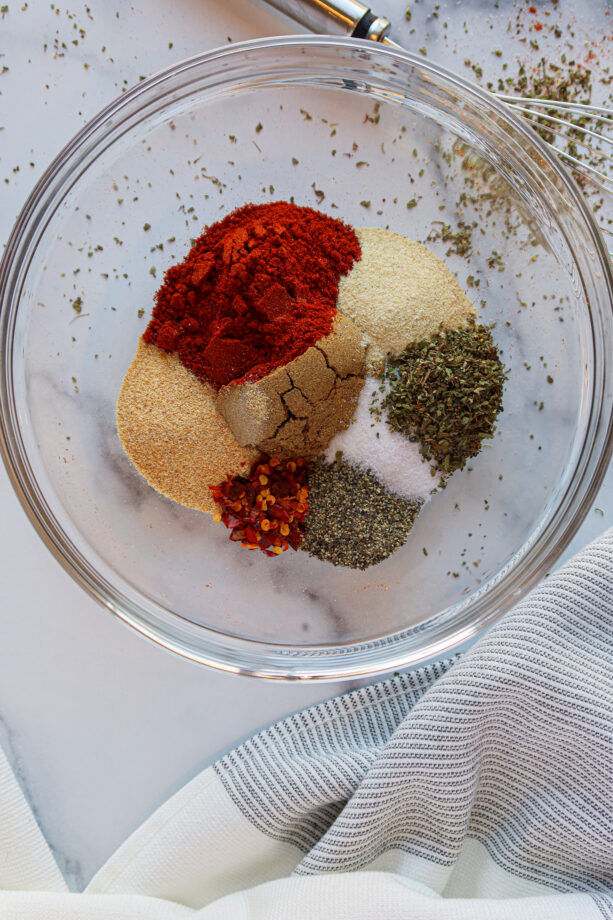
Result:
{"points": [[171, 431], [399, 292]]}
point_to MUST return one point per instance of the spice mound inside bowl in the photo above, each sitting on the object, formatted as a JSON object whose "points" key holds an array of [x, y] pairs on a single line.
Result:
{"points": [[310, 384]]}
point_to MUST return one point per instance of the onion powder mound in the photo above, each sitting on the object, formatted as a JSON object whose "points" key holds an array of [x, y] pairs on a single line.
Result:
{"points": [[399, 292]]}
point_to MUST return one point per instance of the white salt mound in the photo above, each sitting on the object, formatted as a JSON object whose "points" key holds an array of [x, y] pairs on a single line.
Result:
{"points": [[372, 445]]}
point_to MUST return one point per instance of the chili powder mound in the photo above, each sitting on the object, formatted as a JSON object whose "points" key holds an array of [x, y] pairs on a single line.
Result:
{"points": [[255, 291]]}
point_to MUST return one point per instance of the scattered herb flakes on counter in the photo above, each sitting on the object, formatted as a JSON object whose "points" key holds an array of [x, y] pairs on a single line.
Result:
{"points": [[565, 65]]}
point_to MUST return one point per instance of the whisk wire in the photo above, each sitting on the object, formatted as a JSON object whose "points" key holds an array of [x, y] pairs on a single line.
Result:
{"points": [[600, 179], [596, 176], [596, 169], [581, 108], [569, 124]]}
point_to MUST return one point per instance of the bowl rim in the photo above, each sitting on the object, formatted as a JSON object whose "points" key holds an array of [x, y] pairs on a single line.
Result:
{"points": [[49, 529]]}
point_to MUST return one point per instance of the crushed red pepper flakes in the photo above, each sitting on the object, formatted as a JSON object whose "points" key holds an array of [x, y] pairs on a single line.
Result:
{"points": [[265, 510]]}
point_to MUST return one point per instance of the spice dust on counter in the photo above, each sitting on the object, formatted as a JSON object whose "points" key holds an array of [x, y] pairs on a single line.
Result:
{"points": [[353, 519], [172, 433]]}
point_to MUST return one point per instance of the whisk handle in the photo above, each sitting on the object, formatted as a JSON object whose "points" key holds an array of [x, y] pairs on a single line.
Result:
{"points": [[334, 17]]}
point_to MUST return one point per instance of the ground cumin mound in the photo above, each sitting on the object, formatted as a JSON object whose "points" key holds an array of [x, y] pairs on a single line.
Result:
{"points": [[172, 433], [297, 409]]}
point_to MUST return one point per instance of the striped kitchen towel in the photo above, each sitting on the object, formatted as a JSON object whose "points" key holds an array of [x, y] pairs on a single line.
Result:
{"points": [[475, 790]]}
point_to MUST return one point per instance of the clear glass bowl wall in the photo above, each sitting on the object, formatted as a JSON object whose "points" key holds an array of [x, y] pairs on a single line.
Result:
{"points": [[361, 132]]}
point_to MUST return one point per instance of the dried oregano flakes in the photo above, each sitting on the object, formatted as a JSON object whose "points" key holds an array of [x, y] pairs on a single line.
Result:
{"points": [[446, 393]]}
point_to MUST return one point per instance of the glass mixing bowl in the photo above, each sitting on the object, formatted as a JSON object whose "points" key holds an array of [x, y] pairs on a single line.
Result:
{"points": [[373, 136]]}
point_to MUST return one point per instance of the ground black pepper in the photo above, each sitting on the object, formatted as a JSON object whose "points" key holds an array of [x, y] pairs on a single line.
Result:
{"points": [[353, 520]]}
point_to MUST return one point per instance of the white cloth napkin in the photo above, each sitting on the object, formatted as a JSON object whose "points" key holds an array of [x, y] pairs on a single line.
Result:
{"points": [[478, 791]]}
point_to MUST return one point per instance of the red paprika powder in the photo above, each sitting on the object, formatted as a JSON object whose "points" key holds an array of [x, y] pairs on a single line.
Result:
{"points": [[255, 291]]}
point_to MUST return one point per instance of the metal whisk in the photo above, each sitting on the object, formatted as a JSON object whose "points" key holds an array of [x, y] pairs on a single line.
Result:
{"points": [[580, 134]]}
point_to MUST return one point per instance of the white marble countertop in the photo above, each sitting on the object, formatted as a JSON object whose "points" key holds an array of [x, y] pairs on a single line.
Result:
{"points": [[100, 725]]}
